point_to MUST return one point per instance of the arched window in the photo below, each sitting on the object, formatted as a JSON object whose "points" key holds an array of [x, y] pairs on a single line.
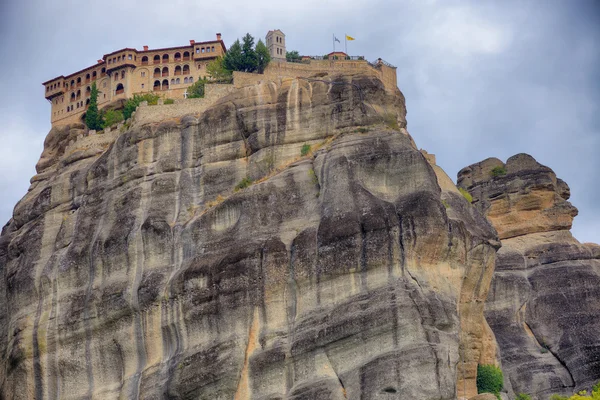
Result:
{"points": [[157, 59], [165, 58], [120, 89], [144, 60], [165, 84], [103, 71], [157, 72], [79, 81], [186, 69], [186, 55], [177, 56], [172, 81], [87, 78], [178, 70], [94, 76], [165, 71], [78, 94], [156, 85], [213, 49], [177, 81], [191, 79], [72, 83], [88, 90], [185, 80], [73, 97], [123, 74], [87, 102]]}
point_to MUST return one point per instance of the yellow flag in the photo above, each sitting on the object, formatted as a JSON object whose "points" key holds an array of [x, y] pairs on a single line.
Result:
{"points": [[349, 37]]}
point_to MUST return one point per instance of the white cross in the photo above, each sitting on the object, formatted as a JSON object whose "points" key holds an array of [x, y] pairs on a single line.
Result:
{"points": [[185, 94]]}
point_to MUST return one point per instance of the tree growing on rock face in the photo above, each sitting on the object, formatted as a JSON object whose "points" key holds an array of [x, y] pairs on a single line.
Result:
{"points": [[233, 58], [249, 57], [93, 119]]}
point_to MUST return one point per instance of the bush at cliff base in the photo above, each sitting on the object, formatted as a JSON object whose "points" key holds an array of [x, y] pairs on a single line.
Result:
{"points": [[581, 395], [489, 379]]}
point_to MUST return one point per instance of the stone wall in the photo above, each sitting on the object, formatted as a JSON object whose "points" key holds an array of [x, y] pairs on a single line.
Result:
{"points": [[181, 107], [93, 139], [280, 70]]}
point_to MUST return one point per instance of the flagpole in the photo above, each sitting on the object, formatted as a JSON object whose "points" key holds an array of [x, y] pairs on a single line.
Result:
{"points": [[346, 42], [333, 42]]}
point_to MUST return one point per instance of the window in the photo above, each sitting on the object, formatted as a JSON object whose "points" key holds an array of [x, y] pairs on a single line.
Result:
{"points": [[144, 60], [165, 71], [172, 81], [186, 55], [156, 59], [191, 79], [185, 80], [213, 49], [87, 78], [119, 59], [197, 50], [165, 84], [122, 74], [177, 56], [142, 85], [186, 69], [178, 70], [129, 57], [109, 61], [177, 81], [143, 74], [103, 72], [94, 76], [156, 85], [165, 58], [203, 49], [120, 89]]}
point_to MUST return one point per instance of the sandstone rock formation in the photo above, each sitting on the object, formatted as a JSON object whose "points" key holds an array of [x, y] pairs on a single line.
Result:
{"points": [[544, 302], [137, 271]]}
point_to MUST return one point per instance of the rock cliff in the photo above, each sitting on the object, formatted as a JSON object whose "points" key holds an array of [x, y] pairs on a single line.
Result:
{"points": [[209, 257], [544, 302]]}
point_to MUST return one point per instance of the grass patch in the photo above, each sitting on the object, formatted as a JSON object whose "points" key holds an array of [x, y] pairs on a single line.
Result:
{"points": [[498, 171], [466, 195], [305, 150], [243, 184], [523, 396], [361, 130], [169, 101], [445, 203], [391, 121]]}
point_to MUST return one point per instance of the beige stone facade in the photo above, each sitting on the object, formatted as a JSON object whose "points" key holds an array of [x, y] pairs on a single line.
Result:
{"points": [[121, 74], [276, 44]]}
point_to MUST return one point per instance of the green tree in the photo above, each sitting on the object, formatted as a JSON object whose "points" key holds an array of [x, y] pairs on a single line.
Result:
{"points": [[263, 56], [93, 120], [217, 71], [111, 117], [197, 89], [135, 101], [292, 55], [233, 58], [249, 57]]}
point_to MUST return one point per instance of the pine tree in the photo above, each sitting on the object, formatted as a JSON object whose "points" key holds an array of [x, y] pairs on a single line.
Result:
{"points": [[249, 57], [233, 58], [263, 56], [93, 120]]}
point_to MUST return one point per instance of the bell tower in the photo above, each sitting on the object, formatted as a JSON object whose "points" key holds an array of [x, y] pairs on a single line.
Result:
{"points": [[276, 45]]}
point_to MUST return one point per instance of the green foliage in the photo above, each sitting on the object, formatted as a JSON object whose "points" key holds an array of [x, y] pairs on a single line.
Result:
{"points": [[292, 55], [498, 171], [582, 395], [196, 90], [245, 57], [391, 121], [523, 396], [263, 56], [217, 71], [169, 101], [313, 176], [232, 61], [361, 130], [135, 101], [445, 203], [466, 195], [305, 149], [112, 117], [243, 184], [326, 57], [489, 379], [93, 119], [558, 397]]}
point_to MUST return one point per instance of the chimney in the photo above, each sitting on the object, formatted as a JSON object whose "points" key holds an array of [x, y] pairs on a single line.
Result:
{"points": [[218, 36], [145, 48], [192, 42], [100, 61]]}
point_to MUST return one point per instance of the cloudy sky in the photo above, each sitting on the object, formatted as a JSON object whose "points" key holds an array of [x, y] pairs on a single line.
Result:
{"points": [[481, 78]]}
